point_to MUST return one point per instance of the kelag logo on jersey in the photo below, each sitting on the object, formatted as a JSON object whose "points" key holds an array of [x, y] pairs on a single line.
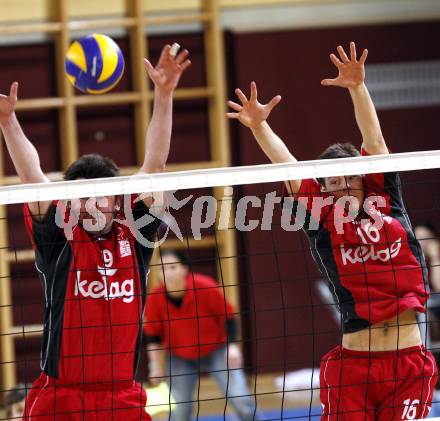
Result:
{"points": [[370, 236], [361, 254], [104, 288]]}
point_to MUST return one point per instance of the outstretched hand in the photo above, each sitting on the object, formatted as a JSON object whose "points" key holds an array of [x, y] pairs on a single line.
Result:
{"points": [[351, 70], [7, 103], [251, 113], [169, 69]]}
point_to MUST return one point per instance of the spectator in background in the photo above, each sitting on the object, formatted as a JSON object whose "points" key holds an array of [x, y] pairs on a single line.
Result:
{"points": [[190, 321], [430, 243], [430, 324], [15, 400]]}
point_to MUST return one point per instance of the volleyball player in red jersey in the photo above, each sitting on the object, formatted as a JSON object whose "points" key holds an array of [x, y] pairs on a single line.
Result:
{"points": [[94, 278], [371, 259]]}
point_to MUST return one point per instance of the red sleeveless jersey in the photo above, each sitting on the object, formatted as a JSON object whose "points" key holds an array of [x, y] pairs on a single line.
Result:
{"points": [[374, 273], [94, 291]]}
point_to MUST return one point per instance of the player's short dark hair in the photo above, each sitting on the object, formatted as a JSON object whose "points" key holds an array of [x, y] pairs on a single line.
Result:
{"points": [[430, 226], [91, 166], [338, 150], [180, 256]]}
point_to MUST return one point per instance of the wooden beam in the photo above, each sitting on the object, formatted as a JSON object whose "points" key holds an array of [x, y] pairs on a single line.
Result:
{"points": [[219, 141], [193, 93], [138, 44], [30, 28], [11, 180], [204, 242], [20, 256], [26, 331], [108, 99], [40, 104], [67, 115], [155, 264], [177, 19], [92, 24], [7, 348]]}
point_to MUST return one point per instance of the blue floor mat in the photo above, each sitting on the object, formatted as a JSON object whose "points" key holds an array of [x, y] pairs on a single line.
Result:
{"points": [[297, 414]]}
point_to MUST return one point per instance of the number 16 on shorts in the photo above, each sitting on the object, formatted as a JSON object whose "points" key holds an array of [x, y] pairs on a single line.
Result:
{"points": [[410, 409]]}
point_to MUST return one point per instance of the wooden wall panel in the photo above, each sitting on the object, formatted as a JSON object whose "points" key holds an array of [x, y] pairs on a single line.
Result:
{"points": [[18, 237], [190, 142], [27, 295], [108, 131], [32, 67], [190, 139], [42, 129], [28, 359]]}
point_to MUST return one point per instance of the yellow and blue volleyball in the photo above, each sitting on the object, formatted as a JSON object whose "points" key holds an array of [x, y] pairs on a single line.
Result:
{"points": [[94, 64]]}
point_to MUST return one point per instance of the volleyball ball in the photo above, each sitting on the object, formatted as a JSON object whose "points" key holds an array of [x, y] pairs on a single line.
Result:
{"points": [[94, 64]]}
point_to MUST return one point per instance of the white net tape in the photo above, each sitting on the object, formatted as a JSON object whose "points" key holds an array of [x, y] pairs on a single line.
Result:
{"points": [[220, 177]]}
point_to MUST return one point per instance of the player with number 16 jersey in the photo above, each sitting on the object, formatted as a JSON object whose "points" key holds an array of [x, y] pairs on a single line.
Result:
{"points": [[363, 242]]}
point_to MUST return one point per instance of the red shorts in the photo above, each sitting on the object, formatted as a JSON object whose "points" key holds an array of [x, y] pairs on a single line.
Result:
{"points": [[377, 386], [50, 401]]}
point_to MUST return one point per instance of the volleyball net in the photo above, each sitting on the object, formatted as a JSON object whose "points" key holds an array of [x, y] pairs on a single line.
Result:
{"points": [[247, 260]]}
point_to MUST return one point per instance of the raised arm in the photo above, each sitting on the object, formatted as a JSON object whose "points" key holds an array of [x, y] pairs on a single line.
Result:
{"points": [[165, 77], [23, 154], [253, 115], [352, 76]]}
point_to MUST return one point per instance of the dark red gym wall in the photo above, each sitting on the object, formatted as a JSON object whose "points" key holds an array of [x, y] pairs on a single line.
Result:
{"points": [[285, 322]]}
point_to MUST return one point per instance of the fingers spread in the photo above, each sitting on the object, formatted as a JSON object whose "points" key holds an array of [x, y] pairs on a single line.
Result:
{"points": [[353, 51], [254, 93], [182, 56], [148, 66], [185, 64], [232, 115], [342, 54], [363, 56], [335, 60], [328, 82], [235, 106], [241, 96], [14, 89], [274, 101], [165, 52]]}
